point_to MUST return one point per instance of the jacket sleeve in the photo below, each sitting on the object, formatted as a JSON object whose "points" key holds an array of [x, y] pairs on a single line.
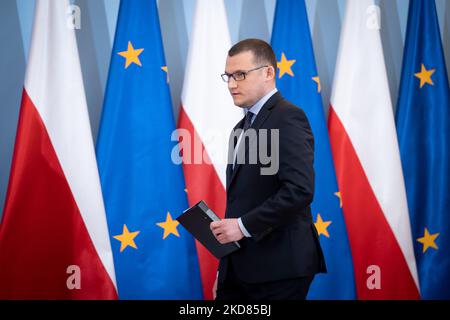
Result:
{"points": [[296, 176]]}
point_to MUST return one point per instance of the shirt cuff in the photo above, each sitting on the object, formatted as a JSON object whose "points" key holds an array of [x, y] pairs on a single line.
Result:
{"points": [[244, 231]]}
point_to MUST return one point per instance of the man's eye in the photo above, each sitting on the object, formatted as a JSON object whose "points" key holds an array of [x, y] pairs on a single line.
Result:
{"points": [[239, 74]]}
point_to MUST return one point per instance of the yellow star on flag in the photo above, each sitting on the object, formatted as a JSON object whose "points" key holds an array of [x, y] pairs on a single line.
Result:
{"points": [[338, 194], [166, 70], [425, 76], [126, 238], [169, 226], [285, 66], [428, 240], [131, 55], [317, 80], [322, 226]]}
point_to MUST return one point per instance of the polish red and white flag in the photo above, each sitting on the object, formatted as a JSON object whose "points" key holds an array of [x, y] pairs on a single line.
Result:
{"points": [[208, 115], [366, 155], [54, 241]]}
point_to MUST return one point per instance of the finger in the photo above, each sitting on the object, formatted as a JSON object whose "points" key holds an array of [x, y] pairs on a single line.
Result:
{"points": [[214, 225], [223, 239], [217, 230]]}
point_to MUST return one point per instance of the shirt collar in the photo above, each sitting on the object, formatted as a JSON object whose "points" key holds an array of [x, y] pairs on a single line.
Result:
{"points": [[258, 105]]}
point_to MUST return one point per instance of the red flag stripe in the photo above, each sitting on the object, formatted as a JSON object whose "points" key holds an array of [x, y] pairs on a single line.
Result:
{"points": [[371, 238], [42, 232], [203, 183]]}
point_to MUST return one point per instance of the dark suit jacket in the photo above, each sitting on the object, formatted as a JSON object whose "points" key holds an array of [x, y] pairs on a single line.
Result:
{"points": [[275, 209]]}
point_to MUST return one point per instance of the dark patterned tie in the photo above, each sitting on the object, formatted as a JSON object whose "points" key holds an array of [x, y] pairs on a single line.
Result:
{"points": [[248, 120], [247, 124]]}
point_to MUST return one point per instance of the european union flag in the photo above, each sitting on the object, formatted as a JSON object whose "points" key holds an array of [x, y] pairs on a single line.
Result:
{"points": [[423, 128], [299, 82], [154, 257]]}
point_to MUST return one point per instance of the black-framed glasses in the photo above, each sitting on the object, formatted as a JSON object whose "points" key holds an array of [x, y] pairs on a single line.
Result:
{"points": [[239, 75]]}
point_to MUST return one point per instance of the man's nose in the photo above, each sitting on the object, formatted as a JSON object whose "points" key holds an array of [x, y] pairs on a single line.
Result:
{"points": [[232, 83]]}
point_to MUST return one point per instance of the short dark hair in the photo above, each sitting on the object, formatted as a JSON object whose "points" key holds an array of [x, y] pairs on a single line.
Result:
{"points": [[261, 50]]}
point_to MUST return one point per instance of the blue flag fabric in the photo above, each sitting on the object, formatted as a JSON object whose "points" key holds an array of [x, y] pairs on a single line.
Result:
{"points": [[423, 128], [298, 82], [154, 257]]}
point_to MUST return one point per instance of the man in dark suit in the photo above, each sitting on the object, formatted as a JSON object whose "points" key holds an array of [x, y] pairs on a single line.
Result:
{"points": [[268, 211]]}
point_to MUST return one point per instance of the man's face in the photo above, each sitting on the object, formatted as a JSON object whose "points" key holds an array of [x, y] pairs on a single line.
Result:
{"points": [[247, 92]]}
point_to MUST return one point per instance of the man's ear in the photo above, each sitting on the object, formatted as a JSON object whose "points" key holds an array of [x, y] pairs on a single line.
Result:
{"points": [[271, 73]]}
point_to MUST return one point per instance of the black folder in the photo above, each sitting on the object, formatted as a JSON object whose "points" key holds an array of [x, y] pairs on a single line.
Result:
{"points": [[196, 220]]}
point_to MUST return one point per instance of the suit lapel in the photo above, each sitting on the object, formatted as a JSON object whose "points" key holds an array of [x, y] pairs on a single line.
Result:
{"points": [[231, 146], [262, 116]]}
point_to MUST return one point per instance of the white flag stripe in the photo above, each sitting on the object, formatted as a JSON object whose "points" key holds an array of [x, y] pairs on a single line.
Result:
{"points": [[54, 84], [205, 96], [362, 102]]}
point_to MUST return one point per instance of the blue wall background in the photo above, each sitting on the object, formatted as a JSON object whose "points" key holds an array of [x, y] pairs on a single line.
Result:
{"points": [[246, 18]]}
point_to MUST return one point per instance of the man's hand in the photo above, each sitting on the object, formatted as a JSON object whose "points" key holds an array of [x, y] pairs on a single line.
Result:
{"points": [[226, 230]]}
